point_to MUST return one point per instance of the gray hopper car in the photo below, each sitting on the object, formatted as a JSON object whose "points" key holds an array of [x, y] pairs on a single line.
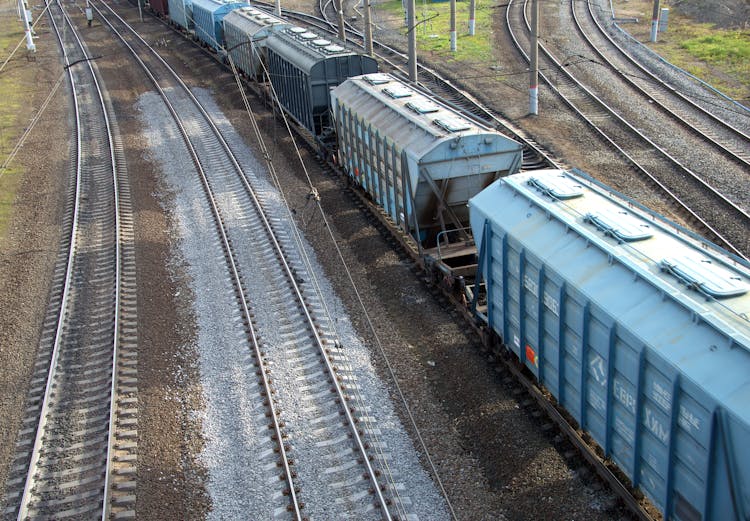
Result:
{"points": [[245, 33], [419, 159]]}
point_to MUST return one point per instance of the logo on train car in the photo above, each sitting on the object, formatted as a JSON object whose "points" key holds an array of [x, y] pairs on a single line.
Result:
{"points": [[531, 355]]}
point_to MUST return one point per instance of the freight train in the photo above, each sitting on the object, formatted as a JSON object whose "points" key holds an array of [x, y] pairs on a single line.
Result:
{"points": [[639, 329]]}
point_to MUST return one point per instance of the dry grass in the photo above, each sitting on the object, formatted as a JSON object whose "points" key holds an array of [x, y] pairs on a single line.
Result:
{"points": [[12, 80], [720, 57]]}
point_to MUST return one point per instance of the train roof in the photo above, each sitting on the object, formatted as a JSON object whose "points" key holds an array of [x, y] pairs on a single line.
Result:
{"points": [[695, 306], [700, 275], [416, 121], [253, 21], [216, 6], [306, 48]]}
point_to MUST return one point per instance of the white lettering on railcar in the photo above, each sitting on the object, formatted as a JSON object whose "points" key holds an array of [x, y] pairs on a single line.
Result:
{"points": [[624, 396], [552, 304], [662, 396], [531, 285], [656, 426], [516, 341], [688, 420], [598, 369]]}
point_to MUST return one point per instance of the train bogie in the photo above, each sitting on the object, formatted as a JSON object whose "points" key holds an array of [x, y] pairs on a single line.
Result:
{"points": [[639, 330], [419, 159], [304, 66]]}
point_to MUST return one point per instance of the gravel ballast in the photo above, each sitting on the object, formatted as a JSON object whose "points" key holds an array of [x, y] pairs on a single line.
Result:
{"points": [[233, 424]]}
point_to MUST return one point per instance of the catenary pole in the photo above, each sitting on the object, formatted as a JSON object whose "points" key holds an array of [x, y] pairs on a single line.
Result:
{"points": [[27, 27], [655, 21], [340, 12], [368, 28], [534, 65], [412, 32], [472, 17], [453, 26]]}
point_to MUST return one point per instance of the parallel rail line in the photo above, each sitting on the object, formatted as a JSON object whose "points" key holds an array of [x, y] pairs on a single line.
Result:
{"points": [[264, 277], [729, 227], [75, 454], [717, 132]]}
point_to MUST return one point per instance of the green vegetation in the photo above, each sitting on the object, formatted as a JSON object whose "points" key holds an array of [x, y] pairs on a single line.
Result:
{"points": [[711, 54], [433, 29], [10, 125], [718, 56], [728, 47]]}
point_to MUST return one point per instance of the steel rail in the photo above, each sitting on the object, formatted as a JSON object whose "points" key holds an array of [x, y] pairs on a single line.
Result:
{"points": [[668, 89], [42, 426], [226, 244], [288, 270], [630, 159]]}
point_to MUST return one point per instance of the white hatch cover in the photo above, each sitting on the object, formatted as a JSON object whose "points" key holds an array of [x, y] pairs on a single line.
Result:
{"points": [[705, 275], [452, 124], [398, 91], [309, 35], [297, 30], [620, 224], [559, 187], [321, 42], [422, 106], [334, 48], [378, 78]]}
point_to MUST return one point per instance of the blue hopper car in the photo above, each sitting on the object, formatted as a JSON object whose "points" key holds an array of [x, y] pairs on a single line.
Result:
{"points": [[638, 328], [181, 13], [208, 15]]}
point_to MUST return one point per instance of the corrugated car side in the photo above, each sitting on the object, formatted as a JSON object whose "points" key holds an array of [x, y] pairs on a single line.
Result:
{"points": [[657, 371]]}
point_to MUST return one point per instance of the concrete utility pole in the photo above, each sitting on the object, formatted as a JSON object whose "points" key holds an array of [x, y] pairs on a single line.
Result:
{"points": [[472, 17], [534, 68], [453, 26], [340, 11], [412, 33], [368, 29], [655, 21], [277, 8], [27, 26]]}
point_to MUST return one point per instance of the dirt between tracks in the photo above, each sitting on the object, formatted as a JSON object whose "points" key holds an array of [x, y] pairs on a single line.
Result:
{"points": [[29, 246]]}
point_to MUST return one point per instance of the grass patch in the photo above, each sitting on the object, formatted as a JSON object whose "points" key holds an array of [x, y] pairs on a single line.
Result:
{"points": [[12, 92], [433, 29], [728, 47], [721, 57]]}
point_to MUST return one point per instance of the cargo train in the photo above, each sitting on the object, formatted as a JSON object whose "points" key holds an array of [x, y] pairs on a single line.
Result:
{"points": [[639, 329]]}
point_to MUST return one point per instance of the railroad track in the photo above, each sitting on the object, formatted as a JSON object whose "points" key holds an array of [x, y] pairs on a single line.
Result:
{"points": [[324, 441], [709, 210], [722, 135], [75, 454]]}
